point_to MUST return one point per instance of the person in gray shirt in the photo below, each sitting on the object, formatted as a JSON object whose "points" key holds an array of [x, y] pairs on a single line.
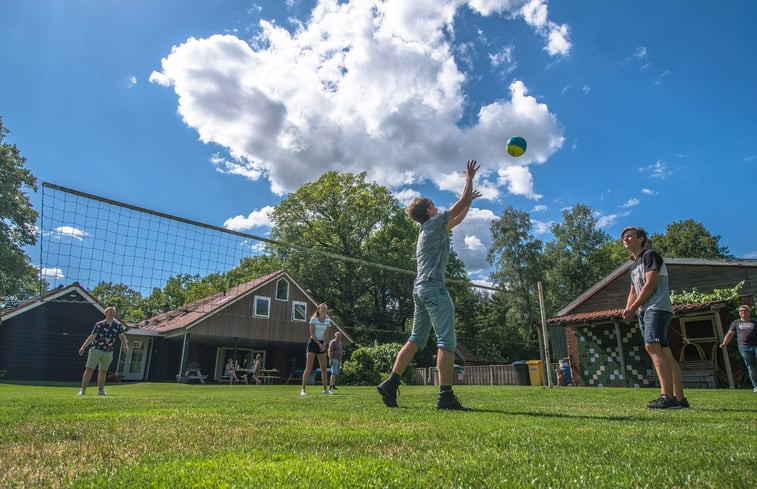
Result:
{"points": [[433, 304], [649, 298]]}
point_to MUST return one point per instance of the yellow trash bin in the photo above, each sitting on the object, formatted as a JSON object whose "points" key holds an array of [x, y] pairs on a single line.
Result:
{"points": [[534, 371]]}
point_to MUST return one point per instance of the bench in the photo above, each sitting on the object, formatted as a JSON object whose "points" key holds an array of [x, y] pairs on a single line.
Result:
{"points": [[190, 375], [698, 373]]}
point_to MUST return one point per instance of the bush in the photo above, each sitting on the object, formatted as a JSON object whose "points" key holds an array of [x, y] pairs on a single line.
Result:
{"points": [[371, 364]]}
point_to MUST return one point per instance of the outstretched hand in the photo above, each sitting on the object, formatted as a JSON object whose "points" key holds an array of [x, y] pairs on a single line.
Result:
{"points": [[471, 168]]}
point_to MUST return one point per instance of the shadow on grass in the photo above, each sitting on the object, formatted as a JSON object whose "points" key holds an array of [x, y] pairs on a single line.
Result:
{"points": [[535, 414]]}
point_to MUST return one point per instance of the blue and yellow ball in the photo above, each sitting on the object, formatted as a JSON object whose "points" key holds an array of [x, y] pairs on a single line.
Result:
{"points": [[515, 146]]}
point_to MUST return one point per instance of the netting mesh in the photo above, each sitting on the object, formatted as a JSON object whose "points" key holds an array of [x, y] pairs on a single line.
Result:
{"points": [[89, 239]]}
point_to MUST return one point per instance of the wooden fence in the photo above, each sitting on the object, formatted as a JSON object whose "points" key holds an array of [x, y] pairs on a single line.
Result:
{"points": [[477, 375]]}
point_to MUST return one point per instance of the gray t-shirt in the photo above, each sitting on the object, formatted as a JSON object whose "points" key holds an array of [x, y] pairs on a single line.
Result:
{"points": [[651, 260], [432, 250], [745, 332]]}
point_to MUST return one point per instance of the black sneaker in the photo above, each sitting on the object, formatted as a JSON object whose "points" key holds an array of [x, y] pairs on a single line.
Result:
{"points": [[664, 402], [447, 400], [684, 403], [388, 391]]}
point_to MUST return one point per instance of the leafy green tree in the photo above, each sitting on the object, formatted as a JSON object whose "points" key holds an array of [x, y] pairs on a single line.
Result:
{"points": [[577, 258], [127, 301], [688, 239], [251, 268], [518, 266], [18, 278], [176, 289], [341, 215]]}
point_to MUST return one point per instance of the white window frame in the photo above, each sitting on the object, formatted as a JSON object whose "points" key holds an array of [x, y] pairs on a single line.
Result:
{"points": [[265, 299], [304, 317], [277, 289]]}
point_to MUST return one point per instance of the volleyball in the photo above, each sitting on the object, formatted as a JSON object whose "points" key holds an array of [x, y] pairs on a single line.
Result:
{"points": [[516, 146]]}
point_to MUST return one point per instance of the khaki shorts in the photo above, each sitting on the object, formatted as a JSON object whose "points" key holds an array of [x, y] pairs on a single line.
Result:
{"points": [[95, 357]]}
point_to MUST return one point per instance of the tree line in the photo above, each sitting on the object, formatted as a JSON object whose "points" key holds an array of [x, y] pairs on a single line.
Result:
{"points": [[346, 215]]}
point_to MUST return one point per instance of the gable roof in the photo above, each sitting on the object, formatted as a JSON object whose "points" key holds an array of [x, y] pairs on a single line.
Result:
{"points": [[61, 293], [725, 262], [190, 315]]}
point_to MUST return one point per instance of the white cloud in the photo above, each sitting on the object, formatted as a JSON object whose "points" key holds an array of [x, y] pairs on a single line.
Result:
{"points": [[535, 13], [471, 239], [365, 86], [648, 191], [659, 169], [132, 81], [283, 107], [607, 221], [70, 232], [630, 203], [53, 273], [540, 208], [519, 181], [504, 57], [258, 218], [540, 227], [641, 52]]}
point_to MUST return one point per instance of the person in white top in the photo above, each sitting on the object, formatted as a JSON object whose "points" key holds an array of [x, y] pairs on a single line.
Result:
{"points": [[320, 325]]}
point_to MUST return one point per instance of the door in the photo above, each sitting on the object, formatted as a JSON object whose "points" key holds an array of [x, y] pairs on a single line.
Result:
{"points": [[135, 360]]}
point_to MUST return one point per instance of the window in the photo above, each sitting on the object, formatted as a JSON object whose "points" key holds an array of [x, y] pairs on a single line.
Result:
{"points": [[282, 290], [698, 329], [299, 311], [261, 307]]}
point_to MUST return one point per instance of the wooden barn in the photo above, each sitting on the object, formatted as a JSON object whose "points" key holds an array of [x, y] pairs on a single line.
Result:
{"points": [[606, 350], [40, 338], [269, 316]]}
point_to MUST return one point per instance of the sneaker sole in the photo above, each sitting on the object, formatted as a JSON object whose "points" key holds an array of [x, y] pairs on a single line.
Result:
{"points": [[386, 398]]}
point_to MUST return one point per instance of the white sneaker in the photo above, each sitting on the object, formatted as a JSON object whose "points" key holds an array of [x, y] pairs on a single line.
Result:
{"points": [[100, 393], [303, 393], [326, 391], [81, 392], [755, 389]]}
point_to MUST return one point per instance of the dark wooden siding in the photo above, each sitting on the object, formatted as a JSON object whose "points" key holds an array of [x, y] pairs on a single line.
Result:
{"points": [[42, 343]]}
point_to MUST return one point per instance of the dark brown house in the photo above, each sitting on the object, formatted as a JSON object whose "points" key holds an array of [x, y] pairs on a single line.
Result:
{"points": [[40, 338], [606, 350], [269, 315]]}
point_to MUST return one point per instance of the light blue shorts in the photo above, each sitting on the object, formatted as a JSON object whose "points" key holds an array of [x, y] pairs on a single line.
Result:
{"points": [[433, 308], [336, 365], [95, 357]]}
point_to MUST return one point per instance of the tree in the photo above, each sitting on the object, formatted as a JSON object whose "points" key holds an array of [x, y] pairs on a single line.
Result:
{"points": [[577, 258], [127, 301], [342, 215], [688, 239], [18, 278], [518, 267]]}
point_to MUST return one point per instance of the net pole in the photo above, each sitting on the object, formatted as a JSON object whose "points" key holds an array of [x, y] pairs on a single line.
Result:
{"points": [[547, 359]]}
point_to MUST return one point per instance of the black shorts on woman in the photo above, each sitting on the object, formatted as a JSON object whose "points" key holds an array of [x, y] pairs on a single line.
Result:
{"points": [[314, 348]]}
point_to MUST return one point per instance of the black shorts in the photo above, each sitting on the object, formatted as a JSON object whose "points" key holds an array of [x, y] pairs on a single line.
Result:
{"points": [[314, 348]]}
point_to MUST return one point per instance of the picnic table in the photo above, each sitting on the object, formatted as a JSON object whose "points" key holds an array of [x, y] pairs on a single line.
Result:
{"points": [[266, 375]]}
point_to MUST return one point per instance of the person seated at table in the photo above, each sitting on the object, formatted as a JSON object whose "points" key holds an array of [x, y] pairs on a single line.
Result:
{"points": [[229, 370], [256, 364]]}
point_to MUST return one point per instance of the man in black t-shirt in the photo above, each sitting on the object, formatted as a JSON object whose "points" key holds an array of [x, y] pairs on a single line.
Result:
{"points": [[746, 332]]}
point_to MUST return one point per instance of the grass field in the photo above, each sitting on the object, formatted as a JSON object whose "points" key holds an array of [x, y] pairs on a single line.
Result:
{"points": [[216, 436]]}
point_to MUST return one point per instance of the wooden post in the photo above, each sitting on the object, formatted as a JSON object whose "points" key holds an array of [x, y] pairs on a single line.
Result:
{"points": [[726, 358], [547, 360]]}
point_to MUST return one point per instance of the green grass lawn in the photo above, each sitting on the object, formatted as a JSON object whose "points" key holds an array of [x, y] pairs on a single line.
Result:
{"points": [[216, 436]]}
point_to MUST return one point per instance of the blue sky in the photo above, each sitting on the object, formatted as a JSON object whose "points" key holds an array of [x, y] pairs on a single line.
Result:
{"points": [[214, 110]]}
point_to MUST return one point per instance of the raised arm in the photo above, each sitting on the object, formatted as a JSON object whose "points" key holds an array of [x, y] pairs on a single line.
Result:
{"points": [[459, 209]]}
